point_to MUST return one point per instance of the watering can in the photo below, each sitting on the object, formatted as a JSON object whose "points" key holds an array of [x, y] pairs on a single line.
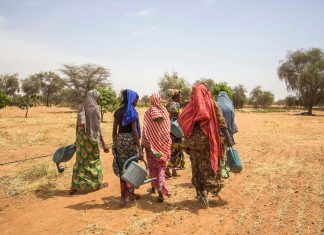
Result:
{"points": [[63, 154], [134, 173]]}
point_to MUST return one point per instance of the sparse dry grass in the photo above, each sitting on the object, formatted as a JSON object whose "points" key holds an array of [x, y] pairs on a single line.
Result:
{"points": [[280, 191], [40, 179]]}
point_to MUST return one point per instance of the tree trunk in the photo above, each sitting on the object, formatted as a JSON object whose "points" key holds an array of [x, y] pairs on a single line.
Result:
{"points": [[26, 113], [102, 114], [310, 109], [47, 100]]}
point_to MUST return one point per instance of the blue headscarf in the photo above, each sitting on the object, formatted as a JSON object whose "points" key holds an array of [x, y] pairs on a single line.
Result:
{"points": [[131, 113], [226, 105]]}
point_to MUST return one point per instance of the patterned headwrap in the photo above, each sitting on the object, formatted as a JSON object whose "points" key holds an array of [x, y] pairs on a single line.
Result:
{"points": [[201, 109], [156, 129]]}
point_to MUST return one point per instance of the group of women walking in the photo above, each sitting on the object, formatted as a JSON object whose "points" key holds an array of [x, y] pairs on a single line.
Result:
{"points": [[200, 130]]}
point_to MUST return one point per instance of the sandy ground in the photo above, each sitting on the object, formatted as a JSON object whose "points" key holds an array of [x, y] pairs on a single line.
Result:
{"points": [[280, 191]]}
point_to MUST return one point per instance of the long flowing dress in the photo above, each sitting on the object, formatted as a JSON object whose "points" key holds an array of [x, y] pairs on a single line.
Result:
{"points": [[177, 156], [87, 170], [201, 127], [125, 145], [157, 142]]}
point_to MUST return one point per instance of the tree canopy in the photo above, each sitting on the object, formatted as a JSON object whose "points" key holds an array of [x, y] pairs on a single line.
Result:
{"points": [[210, 83], [239, 96], [4, 100], [222, 86], [25, 102], [260, 98], [108, 100], [31, 86], [80, 79], [303, 73], [9, 84], [173, 81]]}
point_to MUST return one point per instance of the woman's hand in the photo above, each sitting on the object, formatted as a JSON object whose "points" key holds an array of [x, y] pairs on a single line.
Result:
{"points": [[140, 154]]}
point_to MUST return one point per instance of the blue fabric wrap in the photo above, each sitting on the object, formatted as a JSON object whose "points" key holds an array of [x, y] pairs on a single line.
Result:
{"points": [[226, 105], [131, 113]]}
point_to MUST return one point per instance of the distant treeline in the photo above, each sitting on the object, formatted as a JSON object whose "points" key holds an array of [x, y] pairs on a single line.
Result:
{"points": [[302, 71]]}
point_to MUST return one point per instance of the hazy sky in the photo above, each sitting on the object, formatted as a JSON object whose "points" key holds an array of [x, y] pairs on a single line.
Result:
{"points": [[240, 42]]}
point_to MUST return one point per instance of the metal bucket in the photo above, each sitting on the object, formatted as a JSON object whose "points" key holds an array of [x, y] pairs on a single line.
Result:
{"points": [[134, 173]]}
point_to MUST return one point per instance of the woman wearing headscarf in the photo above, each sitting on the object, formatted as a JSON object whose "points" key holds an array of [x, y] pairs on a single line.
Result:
{"points": [[87, 170], [225, 104], [126, 140], [201, 122], [157, 142], [177, 156]]}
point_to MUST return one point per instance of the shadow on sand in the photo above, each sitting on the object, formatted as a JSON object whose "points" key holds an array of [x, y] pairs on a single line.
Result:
{"points": [[149, 203]]}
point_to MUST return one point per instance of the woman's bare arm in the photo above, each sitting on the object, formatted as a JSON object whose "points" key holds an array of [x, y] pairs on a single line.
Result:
{"points": [[137, 140], [114, 133]]}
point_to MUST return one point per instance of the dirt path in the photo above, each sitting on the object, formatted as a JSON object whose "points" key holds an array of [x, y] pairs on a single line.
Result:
{"points": [[280, 191]]}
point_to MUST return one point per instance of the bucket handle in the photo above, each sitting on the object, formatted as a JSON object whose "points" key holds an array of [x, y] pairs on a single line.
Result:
{"points": [[132, 159]]}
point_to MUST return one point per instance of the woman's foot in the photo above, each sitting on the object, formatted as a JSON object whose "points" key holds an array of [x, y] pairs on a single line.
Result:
{"points": [[204, 198], [168, 173], [102, 185], [151, 190], [160, 197], [174, 173], [124, 202], [135, 197], [72, 191]]}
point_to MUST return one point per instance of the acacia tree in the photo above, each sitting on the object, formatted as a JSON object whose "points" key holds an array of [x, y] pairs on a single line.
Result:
{"points": [[303, 73], [9, 84], [239, 96], [108, 100], [51, 84], [173, 81], [80, 79], [222, 86], [31, 86]]}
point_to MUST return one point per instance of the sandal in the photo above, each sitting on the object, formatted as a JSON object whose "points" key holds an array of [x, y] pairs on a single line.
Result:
{"points": [[203, 199]]}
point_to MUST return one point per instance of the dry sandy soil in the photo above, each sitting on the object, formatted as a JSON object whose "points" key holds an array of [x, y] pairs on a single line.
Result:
{"points": [[280, 191]]}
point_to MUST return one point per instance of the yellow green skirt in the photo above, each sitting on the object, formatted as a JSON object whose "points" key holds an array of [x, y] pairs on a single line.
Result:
{"points": [[87, 170]]}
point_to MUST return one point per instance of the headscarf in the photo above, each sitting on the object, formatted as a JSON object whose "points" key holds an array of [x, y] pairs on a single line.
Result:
{"points": [[156, 129], [91, 113], [131, 113], [226, 105], [201, 108], [173, 92]]}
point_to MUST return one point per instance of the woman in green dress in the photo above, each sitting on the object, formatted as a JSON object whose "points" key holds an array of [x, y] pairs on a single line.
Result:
{"points": [[87, 170]]}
